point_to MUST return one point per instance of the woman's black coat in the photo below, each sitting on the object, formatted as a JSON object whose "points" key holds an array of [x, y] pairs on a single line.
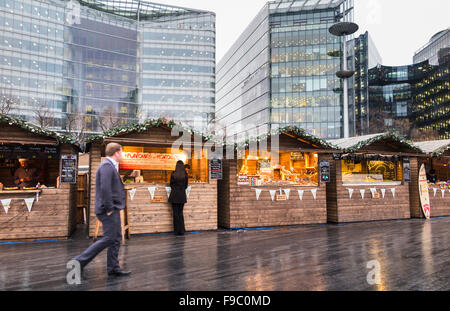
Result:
{"points": [[178, 193]]}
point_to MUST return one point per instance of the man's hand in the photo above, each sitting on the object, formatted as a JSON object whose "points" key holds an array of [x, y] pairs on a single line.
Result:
{"points": [[109, 214]]}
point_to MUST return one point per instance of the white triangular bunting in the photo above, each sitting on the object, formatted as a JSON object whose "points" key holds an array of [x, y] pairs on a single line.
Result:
{"points": [[132, 192], [443, 193], [287, 192], [314, 193], [393, 192], [435, 191], [373, 191], [258, 193], [300, 194], [350, 192], [168, 191], [272, 194], [362, 191], [29, 202], [6, 203], [383, 192], [188, 191], [152, 191]]}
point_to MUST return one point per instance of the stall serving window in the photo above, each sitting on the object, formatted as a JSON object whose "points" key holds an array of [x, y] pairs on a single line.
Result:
{"points": [[154, 165], [361, 169], [26, 167], [439, 172], [294, 168]]}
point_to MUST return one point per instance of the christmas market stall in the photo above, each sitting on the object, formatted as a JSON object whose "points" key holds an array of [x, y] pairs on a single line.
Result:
{"points": [[149, 156], [436, 174], [275, 180], [370, 179], [38, 176]]}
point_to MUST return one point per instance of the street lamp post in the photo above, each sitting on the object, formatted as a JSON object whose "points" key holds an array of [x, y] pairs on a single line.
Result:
{"points": [[342, 29]]}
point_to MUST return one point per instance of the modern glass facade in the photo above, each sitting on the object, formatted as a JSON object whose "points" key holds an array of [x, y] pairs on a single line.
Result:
{"points": [[178, 69], [125, 60], [362, 56], [438, 46], [391, 97], [413, 100], [287, 75], [32, 57]]}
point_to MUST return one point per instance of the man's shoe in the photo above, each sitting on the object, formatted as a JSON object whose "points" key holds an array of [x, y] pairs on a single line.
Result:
{"points": [[119, 273]]}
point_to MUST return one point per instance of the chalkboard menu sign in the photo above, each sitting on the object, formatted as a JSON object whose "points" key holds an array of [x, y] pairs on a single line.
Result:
{"points": [[215, 169], [28, 152], [325, 171], [69, 170]]}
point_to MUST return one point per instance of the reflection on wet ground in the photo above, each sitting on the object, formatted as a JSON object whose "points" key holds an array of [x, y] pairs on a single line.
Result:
{"points": [[412, 255]]}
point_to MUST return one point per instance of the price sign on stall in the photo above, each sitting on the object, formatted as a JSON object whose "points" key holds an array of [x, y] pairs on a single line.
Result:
{"points": [[215, 169], [325, 171], [69, 169]]}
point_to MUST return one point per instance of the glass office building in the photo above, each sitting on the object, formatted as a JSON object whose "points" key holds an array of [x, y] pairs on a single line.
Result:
{"points": [[432, 94], [124, 60], [363, 55], [413, 100], [391, 97], [438, 45], [282, 71]]}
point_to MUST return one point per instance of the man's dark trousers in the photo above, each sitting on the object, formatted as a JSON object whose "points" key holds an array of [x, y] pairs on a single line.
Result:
{"points": [[112, 237]]}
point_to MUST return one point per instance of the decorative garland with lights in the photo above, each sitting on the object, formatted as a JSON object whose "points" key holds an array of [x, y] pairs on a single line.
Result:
{"points": [[296, 131], [142, 127], [61, 138], [394, 137]]}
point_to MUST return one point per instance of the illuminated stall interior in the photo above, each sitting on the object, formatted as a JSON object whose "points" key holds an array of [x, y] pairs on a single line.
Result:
{"points": [[293, 168], [371, 169], [154, 164], [374, 159]]}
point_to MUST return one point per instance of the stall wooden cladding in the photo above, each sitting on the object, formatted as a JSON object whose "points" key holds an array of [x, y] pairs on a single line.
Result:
{"points": [[146, 217], [239, 208], [53, 216], [340, 208]]}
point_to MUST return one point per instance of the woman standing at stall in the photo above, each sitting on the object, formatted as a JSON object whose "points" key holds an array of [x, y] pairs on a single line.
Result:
{"points": [[178, 184]]}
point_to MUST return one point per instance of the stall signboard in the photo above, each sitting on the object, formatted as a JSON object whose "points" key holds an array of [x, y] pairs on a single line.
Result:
{"points": [[325, 171], [69, 169], [423, 192], [406, 170], [28, 152], [215, 169], [150, 161]]}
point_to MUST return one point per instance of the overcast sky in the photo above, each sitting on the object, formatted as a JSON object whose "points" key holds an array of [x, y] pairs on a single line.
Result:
{"points": [[398, 27]]}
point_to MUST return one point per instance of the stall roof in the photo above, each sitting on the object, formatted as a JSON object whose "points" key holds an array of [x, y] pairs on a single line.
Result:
{"points": [[295, 131], [36, 130], [434, 147], [144, 126], [355, 144]]}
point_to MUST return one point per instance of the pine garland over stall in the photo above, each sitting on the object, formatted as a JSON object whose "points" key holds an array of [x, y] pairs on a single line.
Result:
{"points": [[144, 126], [61, 138]]}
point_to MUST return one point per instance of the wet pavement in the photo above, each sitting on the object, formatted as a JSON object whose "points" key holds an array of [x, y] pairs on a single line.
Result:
{"points": [[412, 255]]}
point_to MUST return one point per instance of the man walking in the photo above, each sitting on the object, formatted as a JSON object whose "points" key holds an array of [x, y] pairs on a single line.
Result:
{"points": [[109, 200]]}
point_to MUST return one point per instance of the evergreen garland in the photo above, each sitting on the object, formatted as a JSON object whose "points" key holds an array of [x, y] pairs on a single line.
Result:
{"points": [[61, 138], [144, 126], [393, 136], [296, 131]]}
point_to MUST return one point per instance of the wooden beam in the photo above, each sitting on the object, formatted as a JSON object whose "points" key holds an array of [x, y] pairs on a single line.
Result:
{"points": [[24, 141]]}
